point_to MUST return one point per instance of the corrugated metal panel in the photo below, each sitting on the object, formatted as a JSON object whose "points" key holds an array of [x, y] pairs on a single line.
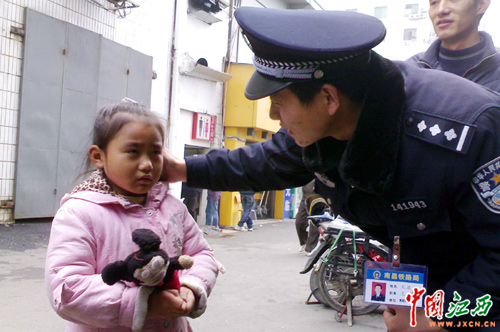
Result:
{"points": [[136, 89], [113, 78], [40, 107], [68, 72], [79, 104]]}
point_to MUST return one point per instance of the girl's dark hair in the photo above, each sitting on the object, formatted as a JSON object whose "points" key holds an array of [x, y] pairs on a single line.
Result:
{"points": [[110, 119]]}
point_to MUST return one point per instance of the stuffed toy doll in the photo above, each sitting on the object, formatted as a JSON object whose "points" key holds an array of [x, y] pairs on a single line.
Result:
{"points": [[149, 266]]}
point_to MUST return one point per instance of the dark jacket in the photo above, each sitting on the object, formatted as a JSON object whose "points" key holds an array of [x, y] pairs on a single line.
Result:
{"points": [[380, 297], [416, 166], [486, 72]]}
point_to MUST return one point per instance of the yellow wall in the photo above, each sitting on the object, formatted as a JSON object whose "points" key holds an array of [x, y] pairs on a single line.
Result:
{"points": [[229, 214], [241, 112], [262, 119], [239, 115], [279, 199]]}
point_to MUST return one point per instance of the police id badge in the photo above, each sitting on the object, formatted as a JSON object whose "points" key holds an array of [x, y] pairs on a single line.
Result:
{"points": [[390, 285], [486, 185]]}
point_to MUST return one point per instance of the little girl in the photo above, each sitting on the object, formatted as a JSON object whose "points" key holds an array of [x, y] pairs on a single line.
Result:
{"points": [[94, 225]]}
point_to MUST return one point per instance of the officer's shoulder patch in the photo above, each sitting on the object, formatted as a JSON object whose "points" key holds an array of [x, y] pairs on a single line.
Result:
{"points": [[486, 184], [447, 133]]}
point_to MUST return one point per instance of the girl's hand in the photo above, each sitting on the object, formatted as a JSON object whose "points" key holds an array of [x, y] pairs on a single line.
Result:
{"points": [[174, 169], [397, 319], [170, 304]]}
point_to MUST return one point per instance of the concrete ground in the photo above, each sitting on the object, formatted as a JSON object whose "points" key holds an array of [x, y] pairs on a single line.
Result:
{"points": [[262, 290]]}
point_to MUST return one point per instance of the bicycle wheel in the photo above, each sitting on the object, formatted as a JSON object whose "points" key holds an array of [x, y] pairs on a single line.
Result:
{"points": [[314, 285], [335, 276]]}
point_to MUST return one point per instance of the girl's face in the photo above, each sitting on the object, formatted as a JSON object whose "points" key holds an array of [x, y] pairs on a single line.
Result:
{"points": [[133, 159]]}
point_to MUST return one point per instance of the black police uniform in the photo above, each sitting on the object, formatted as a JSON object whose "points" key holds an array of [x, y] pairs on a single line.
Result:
{"points": [[423, 163]]}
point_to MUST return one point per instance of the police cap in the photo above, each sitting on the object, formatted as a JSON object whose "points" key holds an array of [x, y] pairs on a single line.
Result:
{"points": [[304, 45]]}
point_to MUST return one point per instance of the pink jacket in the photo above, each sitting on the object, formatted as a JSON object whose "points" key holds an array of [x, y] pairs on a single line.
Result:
{"points": [[91, 230]]}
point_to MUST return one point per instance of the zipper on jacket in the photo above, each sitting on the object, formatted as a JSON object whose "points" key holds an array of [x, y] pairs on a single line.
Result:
{"points": [[425, 63], [486, 58]]}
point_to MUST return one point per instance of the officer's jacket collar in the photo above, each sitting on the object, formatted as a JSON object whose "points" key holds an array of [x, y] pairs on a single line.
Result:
{"points": [[368, 160]]}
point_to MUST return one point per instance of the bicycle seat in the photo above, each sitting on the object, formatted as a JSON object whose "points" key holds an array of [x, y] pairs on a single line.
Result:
{"points": [[335, 226]]}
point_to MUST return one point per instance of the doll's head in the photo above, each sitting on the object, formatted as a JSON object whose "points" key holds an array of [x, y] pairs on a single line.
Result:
{"points": [[127, 143], [148, 266]]}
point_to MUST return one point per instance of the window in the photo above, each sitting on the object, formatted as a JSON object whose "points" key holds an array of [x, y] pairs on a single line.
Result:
{"points": [[410, 34], [411, 9], [380, 12]]}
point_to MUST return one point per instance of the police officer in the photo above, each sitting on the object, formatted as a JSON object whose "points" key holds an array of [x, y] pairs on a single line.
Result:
{"points": [[396, 150]]}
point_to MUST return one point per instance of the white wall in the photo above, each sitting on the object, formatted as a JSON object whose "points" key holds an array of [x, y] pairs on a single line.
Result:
{"points": [[195, 39], [202, 96]]}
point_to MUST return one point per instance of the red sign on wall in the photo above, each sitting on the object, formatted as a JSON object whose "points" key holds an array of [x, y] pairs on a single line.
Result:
{"points": [[203, 127]]}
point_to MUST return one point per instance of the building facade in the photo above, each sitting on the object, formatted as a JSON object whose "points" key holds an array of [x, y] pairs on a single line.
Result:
{"points": [[101, 51], [61, 60]]}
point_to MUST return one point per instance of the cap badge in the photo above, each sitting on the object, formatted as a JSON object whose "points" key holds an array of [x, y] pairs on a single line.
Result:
{"points": [[318, 74]]}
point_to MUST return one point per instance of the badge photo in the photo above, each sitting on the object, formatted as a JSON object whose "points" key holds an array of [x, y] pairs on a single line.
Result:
{"points": [[389, 285]]}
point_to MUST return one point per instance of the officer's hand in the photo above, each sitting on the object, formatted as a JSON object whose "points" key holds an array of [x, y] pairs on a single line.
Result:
{"points": [[397, 319], [174, 169]]}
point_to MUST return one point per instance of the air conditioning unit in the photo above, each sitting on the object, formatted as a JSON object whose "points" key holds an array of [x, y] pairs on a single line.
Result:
{"points": [[209, 6], [205, 10]]}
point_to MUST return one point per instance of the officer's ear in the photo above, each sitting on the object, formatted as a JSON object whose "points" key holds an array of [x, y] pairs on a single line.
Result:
{"points": [[332, 98]]}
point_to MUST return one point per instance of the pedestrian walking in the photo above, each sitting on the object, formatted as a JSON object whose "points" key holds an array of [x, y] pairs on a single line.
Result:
{"points": [[212, 209], [247, 203], [191, 198]]}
